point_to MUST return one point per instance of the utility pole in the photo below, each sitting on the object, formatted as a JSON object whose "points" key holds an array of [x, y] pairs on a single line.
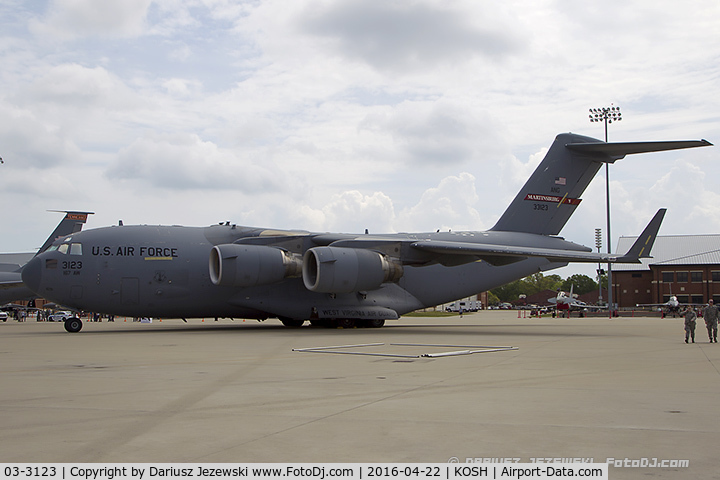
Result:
{"points": [[607, 115]]}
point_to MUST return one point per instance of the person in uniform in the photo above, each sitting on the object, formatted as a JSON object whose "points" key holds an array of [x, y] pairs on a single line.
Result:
{"points": [[690, 318], [710, 314]]}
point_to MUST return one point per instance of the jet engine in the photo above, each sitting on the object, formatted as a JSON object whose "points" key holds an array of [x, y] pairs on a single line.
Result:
{"points": [[235, 265], [345, 270]]}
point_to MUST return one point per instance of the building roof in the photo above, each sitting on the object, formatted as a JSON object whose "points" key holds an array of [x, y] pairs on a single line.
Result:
{"points": [[674, 250]]}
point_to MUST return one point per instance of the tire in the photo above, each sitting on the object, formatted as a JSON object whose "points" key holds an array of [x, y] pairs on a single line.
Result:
{"points": [[345, 322], [292, 323], [376, 323], [73, 325]]}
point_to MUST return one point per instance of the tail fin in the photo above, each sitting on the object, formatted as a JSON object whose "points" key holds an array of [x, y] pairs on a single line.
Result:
{"points": [[552, 193], [72, 223]]}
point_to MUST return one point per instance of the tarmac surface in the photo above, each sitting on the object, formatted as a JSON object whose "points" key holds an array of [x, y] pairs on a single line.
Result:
{"points": [[206, 391]]}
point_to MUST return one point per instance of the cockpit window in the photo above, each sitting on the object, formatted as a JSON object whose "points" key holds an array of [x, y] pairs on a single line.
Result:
{"points": [[76, 249], [64, 248]]}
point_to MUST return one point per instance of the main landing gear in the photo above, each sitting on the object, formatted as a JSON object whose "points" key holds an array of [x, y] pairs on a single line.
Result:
{"points": [[345, 323], [73, 324]]}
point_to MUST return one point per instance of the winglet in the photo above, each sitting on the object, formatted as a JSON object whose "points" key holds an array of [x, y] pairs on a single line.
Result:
{"points": [[644, 243]]}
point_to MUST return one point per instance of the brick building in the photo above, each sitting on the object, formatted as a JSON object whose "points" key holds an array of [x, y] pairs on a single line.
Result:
{"points": [[687, 266]]}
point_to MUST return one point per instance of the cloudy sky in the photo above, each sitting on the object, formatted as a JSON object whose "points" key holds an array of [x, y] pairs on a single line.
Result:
{"points": [[391, 115]]}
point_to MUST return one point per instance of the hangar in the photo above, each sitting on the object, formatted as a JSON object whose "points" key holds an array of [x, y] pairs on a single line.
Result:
{"points": [[687, 266]]}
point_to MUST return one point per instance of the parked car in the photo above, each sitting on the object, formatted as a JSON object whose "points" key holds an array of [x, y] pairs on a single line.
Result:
{"points": [[465, 306], [60, 316], [3, 316]]}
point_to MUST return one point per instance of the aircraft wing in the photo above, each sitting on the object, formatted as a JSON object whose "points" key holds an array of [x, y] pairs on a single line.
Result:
{"points": [[492, 253], [10, 280], [498, 254], [10, 285]]}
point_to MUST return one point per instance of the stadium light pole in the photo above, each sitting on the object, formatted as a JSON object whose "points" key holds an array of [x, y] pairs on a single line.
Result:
{"points": [[607, 115], [598, 244]]}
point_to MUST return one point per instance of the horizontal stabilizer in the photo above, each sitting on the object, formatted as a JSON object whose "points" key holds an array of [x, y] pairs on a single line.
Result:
{"points": [[618, 150]]}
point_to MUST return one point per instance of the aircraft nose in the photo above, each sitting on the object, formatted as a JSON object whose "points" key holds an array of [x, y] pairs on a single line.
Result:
{"points": [[32, 274]]}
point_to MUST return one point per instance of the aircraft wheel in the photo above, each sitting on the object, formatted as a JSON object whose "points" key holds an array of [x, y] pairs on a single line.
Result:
{"points": [[291, 322], [345, 322], [375, 323], [73, 325]]}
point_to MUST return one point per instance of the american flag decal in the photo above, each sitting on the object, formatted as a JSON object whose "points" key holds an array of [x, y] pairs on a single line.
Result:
{"points": [[560, 181]]}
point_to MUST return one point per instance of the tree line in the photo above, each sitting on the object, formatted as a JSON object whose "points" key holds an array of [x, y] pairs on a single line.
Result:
{"points": [[538, 282]]}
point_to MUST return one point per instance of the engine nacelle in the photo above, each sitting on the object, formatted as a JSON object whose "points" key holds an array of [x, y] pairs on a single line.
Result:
{"points": [[237, 265], [345, 270]]}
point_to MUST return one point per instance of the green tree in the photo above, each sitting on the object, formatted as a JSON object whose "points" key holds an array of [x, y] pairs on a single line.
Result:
{"points": [[508, 292], [536, 282], [581, 284], [493, 299]]}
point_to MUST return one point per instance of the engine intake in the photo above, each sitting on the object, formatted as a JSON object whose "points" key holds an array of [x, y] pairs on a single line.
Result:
{"points": [[345, 270], [235, 265]]}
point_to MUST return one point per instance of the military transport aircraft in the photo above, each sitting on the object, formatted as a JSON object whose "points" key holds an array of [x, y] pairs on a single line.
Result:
{"points": [[228, 270], [11, 264]]}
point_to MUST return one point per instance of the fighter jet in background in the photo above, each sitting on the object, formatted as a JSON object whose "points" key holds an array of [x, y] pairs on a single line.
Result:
{"points": [[673, 306], [331, 278], [567, 302], [11, 264]]}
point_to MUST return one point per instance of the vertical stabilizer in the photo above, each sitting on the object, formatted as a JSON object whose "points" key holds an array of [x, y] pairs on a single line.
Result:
{"points": [[72, 223], [552, 193]]}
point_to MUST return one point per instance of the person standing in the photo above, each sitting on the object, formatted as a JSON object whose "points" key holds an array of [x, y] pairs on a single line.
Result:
{"points": [[710, 314], [690, 323]]}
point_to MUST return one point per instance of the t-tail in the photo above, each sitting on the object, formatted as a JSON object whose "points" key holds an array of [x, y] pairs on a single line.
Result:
{"points": [[72, 223], [550, 196]]}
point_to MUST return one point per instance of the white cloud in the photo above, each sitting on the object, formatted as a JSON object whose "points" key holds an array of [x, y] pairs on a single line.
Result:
{"points": [[450, 205], [353, 212], [30, 142], [180, 87], [436, 131], [183, 162], [76, 86], [411, 35], [68, 19]]}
